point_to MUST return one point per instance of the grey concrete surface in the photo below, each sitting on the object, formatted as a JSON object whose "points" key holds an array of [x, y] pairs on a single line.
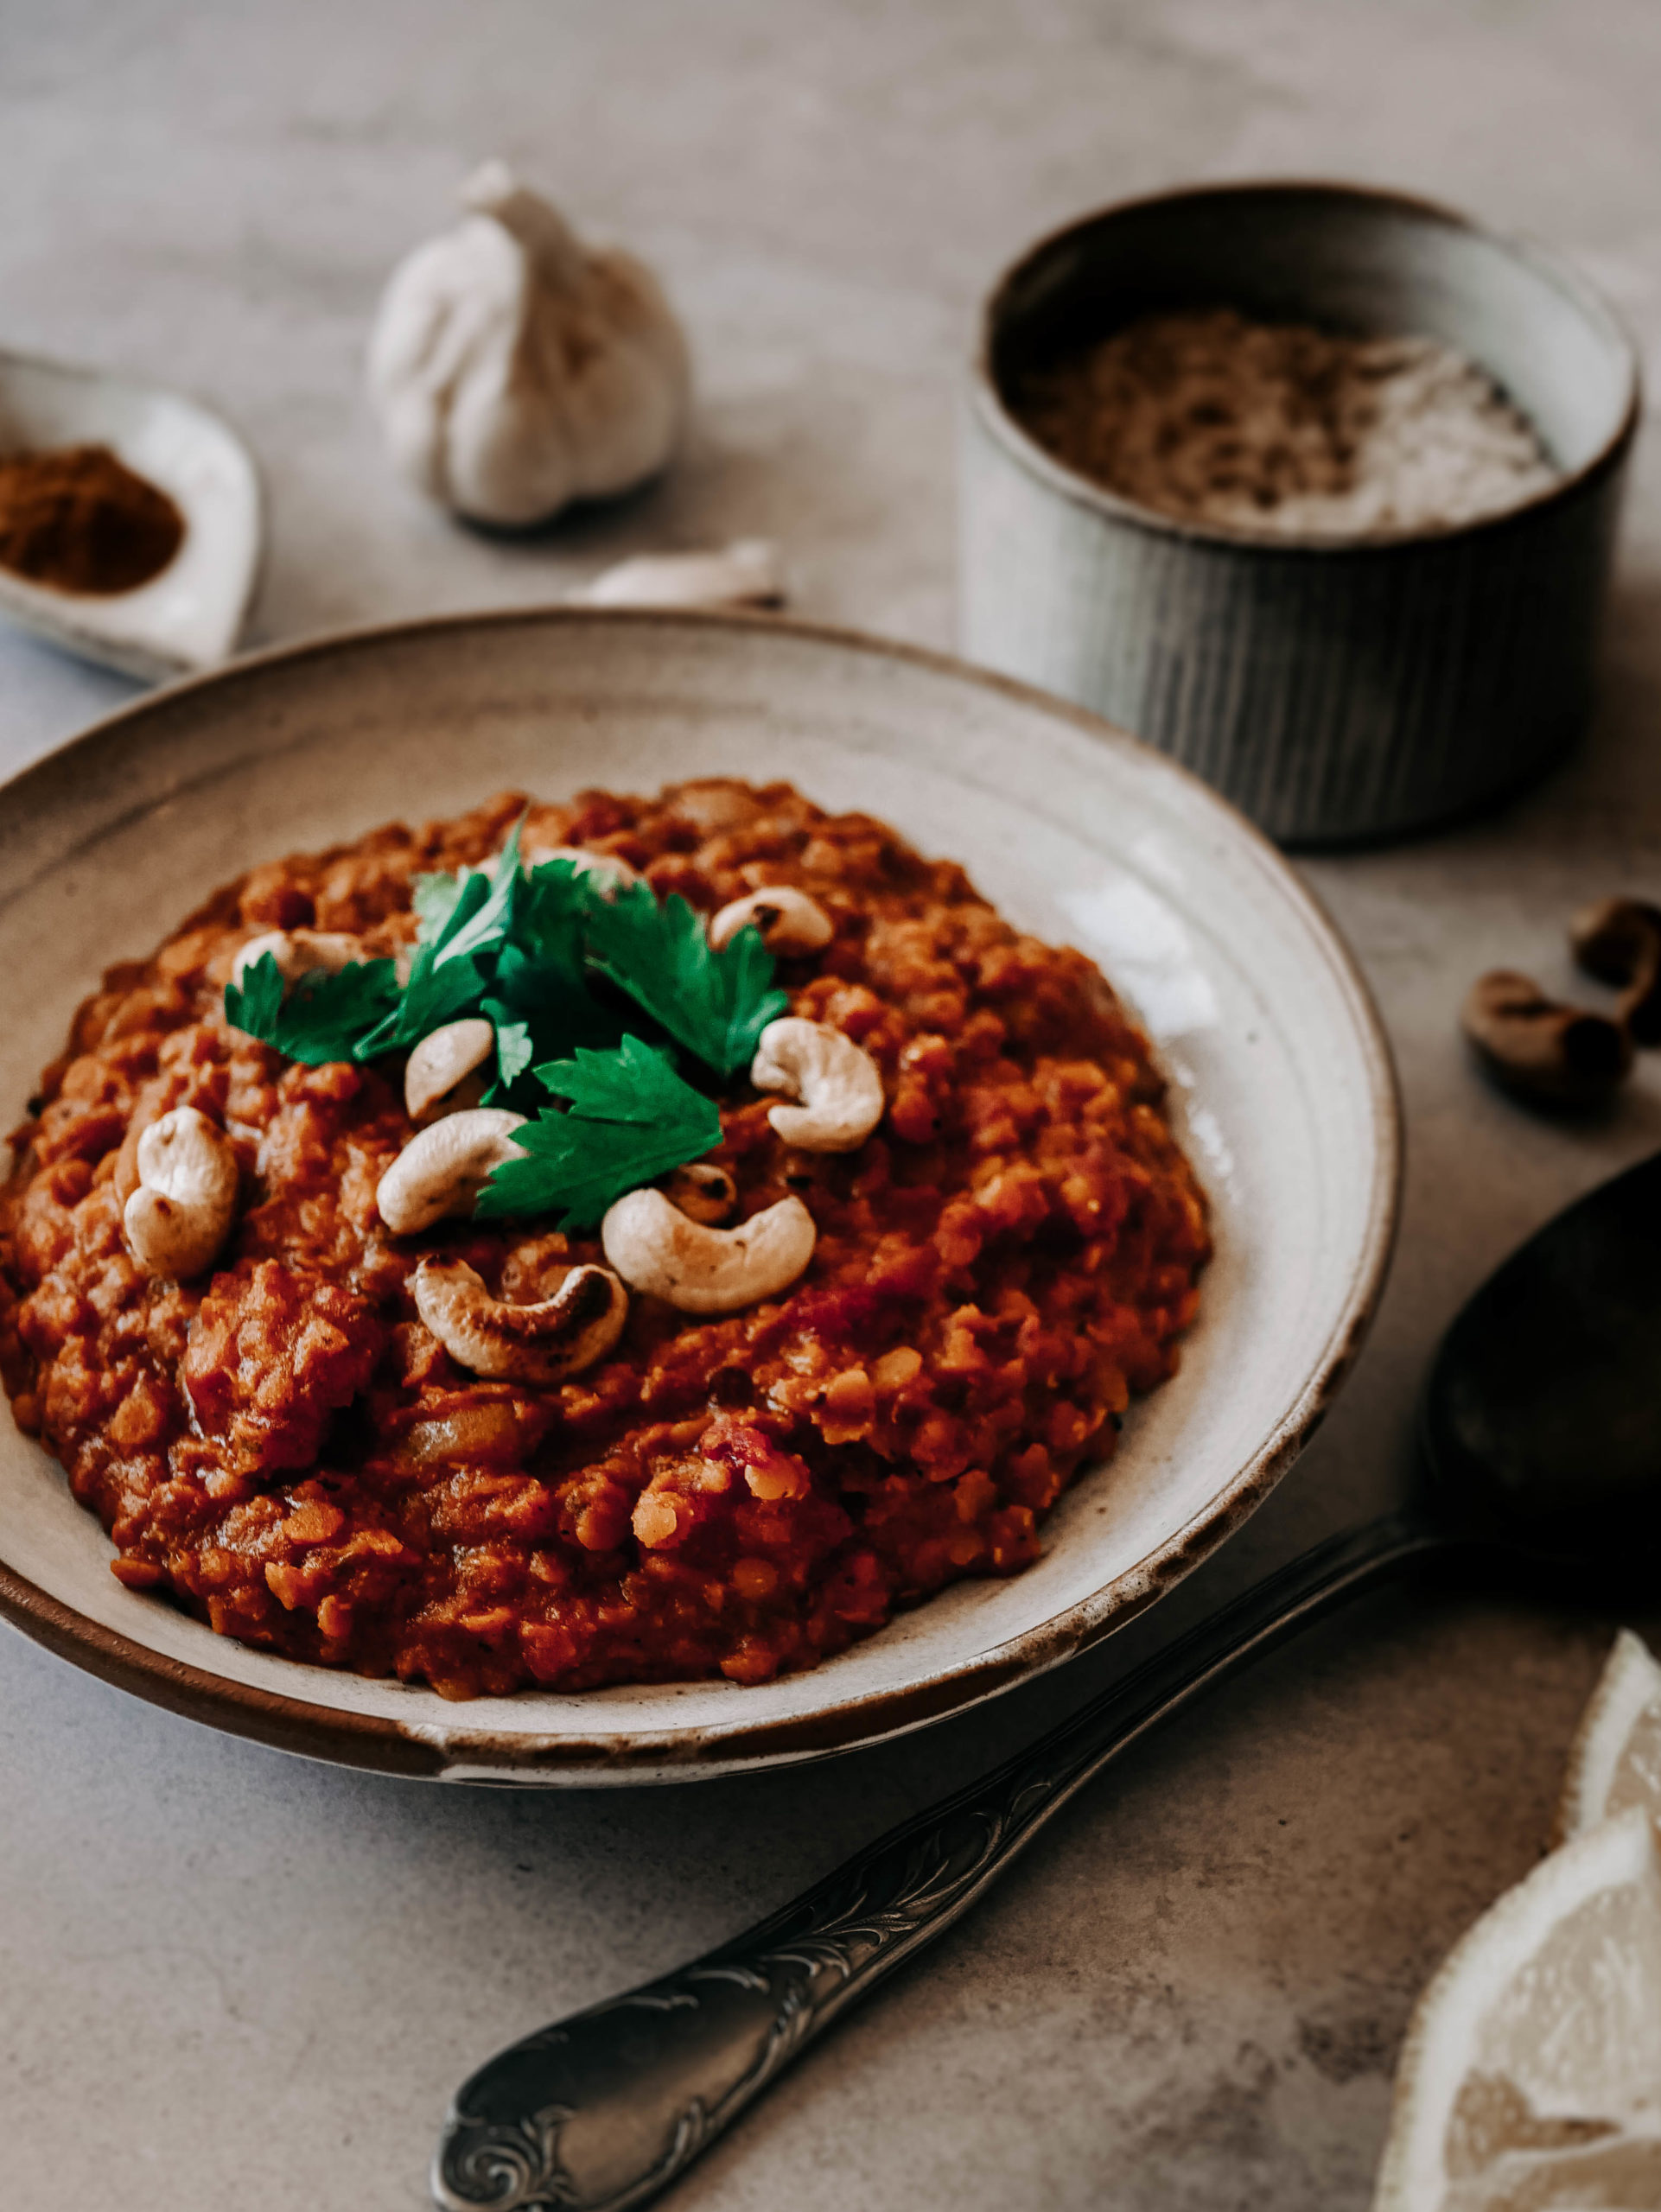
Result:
{"points": [[229, 1979]]}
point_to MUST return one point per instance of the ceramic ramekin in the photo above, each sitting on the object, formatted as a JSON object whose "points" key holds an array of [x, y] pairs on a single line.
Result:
{"points": [[1334, 691]]}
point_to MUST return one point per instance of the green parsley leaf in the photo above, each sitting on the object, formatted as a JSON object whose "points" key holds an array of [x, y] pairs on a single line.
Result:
{"points": [[472, 889], [541, 973], [433, 995], [321, 1017], [747, 967], [514, 1051], [447, 977], [255, 1006], [444, 905], [636, 1082], [481, 924], [632, 1119], [433, 900], [507, 944], [557, 892], [716, 1004]]}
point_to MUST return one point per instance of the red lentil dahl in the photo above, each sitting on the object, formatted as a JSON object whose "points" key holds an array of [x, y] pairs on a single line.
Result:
{"points": [[286, 1451]]}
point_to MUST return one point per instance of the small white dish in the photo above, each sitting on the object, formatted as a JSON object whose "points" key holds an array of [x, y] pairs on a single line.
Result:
{"points": [[189, 617]]}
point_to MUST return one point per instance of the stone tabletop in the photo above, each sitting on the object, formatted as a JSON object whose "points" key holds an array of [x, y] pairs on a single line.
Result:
{"points": [[230, 1978]]}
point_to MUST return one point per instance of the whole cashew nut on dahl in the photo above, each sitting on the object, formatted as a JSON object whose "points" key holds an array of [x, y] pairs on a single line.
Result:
{"points": [[836, 1080], [540, 1343], [441, 1171], [699, 1270], [181, 1212]]}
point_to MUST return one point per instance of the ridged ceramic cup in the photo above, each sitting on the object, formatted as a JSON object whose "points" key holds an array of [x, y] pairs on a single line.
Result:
{"points": [[1336, 691]]}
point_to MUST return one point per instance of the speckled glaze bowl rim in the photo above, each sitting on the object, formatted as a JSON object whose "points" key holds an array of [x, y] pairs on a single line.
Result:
{"points": [[996, 416], [304, 1726]]}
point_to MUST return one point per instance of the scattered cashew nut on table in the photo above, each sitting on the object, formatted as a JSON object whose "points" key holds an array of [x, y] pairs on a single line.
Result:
{"points": [[540, 1343], [789, 921], [697, 1269], [181, 1212], [443, 1169], [1538, 1050], [1619, 941], [441, 1065], [836, 1081]]}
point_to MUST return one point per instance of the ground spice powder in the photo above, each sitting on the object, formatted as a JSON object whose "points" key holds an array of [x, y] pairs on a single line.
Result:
{"points": [[78, 520], [1284, 428]]}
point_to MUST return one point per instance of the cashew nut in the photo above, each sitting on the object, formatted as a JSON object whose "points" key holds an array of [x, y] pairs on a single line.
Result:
{"points": [[538, 1344], [297, 952], [610, 873], [696, 1269], [441, 1062], [714, 804], [1548, 1054], [836, 1081], [1619, 941], [442, 1169], [702, 1192], [788, 920], [181, 1212]]}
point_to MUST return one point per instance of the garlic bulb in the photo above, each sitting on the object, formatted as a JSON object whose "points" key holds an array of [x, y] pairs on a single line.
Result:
{"points": [[744, 573], [512, 370]]}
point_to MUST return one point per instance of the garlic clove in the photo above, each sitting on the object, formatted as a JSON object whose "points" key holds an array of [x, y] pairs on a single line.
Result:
{"points": [[747, 573], [514, 370], [493, 190]]}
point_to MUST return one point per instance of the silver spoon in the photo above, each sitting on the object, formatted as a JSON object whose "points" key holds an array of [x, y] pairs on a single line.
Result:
{"points": [[1540, 1434]]}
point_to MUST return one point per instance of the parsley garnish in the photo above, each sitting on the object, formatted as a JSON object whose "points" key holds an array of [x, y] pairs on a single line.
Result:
{"points": [[542, 980], [320, 1016], [482, 916], [569, 972], [716, 1004], [432, 996], [632, 1118], [514, 1053], [431, 898], [447, 977]]}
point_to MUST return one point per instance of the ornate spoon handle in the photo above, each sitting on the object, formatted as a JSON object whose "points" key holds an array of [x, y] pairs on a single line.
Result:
{"points": [[600, 2111]]}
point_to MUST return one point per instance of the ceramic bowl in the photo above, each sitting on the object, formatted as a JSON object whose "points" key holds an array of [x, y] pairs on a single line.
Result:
{"points": [[1281, 1079], [1335, 690], [190, 616]]}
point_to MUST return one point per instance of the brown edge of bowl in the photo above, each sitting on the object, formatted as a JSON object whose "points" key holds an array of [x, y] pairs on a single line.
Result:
{"points": [[1080, 491], [389, 1746]]}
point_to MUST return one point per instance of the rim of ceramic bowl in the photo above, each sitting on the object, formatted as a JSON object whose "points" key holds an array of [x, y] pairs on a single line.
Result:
{"points": [[472, 1751], [987, 400]]}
